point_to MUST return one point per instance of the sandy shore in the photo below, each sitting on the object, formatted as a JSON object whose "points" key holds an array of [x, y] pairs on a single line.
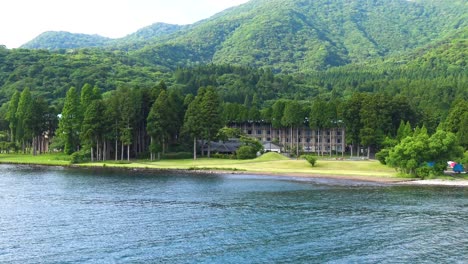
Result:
{"points": [[437, 182]]}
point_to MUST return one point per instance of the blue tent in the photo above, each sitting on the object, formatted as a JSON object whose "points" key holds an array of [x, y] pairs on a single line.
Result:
{"points": [[458, 168]]}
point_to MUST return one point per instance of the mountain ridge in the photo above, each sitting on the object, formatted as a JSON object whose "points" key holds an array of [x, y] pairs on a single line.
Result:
{"points": [[298, 35]]}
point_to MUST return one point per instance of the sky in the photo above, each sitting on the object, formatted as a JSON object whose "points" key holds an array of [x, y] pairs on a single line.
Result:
{"points": [[23, 20]]}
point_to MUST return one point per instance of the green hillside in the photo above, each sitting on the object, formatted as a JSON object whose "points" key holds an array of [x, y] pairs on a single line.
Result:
{"points": [[287, 35], [53, 40], [299, 35]]}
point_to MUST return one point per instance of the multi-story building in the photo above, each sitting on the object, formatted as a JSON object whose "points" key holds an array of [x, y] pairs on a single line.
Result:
{"points": [[305, 138]]}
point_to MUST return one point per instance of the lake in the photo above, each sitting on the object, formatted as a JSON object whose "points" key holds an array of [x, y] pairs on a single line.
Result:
{"points": [[57, 215]]}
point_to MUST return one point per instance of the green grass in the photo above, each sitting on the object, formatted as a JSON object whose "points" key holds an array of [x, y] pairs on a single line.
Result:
{"points": [[56, 159], [269, 163]]}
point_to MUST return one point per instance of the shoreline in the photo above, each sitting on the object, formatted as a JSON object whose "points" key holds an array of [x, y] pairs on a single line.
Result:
{"points": [[389, 181]]}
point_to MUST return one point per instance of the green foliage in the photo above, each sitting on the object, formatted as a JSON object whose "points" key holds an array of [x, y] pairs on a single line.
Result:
{"points": [[177, 155], [70, 122], [252, 142], [413, 153], [246, 152], [311, 159], [81, 156], [382, 155]]}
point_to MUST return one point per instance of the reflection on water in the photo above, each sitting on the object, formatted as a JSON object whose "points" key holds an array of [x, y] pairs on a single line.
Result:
{"points": [[56, 215]]}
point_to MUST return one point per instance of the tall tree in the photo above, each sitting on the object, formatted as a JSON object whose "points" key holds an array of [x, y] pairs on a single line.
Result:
{"points": [[158, 120], [39, 123], [318, 121], [93, 127], [293, 117], [194, 120], [70, 121], [212, 119], [24, 118], [11, 115]]}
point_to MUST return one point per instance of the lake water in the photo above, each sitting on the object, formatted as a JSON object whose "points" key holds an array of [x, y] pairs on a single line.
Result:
{"points": [[55, 215]]}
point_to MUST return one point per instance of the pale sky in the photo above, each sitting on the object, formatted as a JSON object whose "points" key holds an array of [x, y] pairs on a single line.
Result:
{"points": [[23, 20]]}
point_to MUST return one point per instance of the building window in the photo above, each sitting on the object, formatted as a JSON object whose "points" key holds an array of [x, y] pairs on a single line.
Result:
{"points": [[338, 141], [308, 140], [249, 132], [268, 132], [268, 139], [259, 132], [338, 133]]}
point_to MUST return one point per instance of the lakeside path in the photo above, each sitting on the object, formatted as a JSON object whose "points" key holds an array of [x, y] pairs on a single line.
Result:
{"points": [[266, 165]]}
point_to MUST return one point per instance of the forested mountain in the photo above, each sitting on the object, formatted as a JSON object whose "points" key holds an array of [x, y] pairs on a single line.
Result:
{"points": [[303, 35], [53, 40], [294, 35]]}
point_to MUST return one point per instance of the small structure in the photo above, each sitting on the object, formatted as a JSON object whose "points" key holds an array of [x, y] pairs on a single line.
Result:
{"points": [[271, 147], [458, 168]]}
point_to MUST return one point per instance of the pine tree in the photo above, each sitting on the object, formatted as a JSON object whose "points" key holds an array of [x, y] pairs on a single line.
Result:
{"points": [[70, 122], [24, 118], [158, 123], [194, 120], [11, 115], [93, 126], [212, 119]]}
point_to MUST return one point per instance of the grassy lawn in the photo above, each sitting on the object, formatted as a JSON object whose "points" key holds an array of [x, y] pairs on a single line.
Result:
{"points": [[56, 159], [269, 163]]}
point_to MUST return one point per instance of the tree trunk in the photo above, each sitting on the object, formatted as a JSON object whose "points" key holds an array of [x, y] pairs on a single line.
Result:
{"points": [[116, 150], [92, 155], [34, 146], [128, 152], [297, 143], [151, 151], [209, 149], [194, 148], [98, 150], [291, 140], [122, 151]]}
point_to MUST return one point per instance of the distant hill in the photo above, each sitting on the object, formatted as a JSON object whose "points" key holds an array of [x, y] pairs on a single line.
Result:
{"points": [[287, 35], [298, 35], [53, 40]]}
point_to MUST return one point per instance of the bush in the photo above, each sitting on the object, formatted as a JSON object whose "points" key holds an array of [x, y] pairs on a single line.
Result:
{"points": [[246, 152], [81, 156], [177, 155], [223, 156], [311, 159], [382, 156]]}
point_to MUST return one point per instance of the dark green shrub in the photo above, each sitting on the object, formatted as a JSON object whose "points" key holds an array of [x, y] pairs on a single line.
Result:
{"points": [[178, 155], [382, 156], [246, 152], [311, 159], [81, 156], [223, 156]]}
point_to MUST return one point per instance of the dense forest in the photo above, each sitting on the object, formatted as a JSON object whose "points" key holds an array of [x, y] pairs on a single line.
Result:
{"points": [[286, 62]]}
